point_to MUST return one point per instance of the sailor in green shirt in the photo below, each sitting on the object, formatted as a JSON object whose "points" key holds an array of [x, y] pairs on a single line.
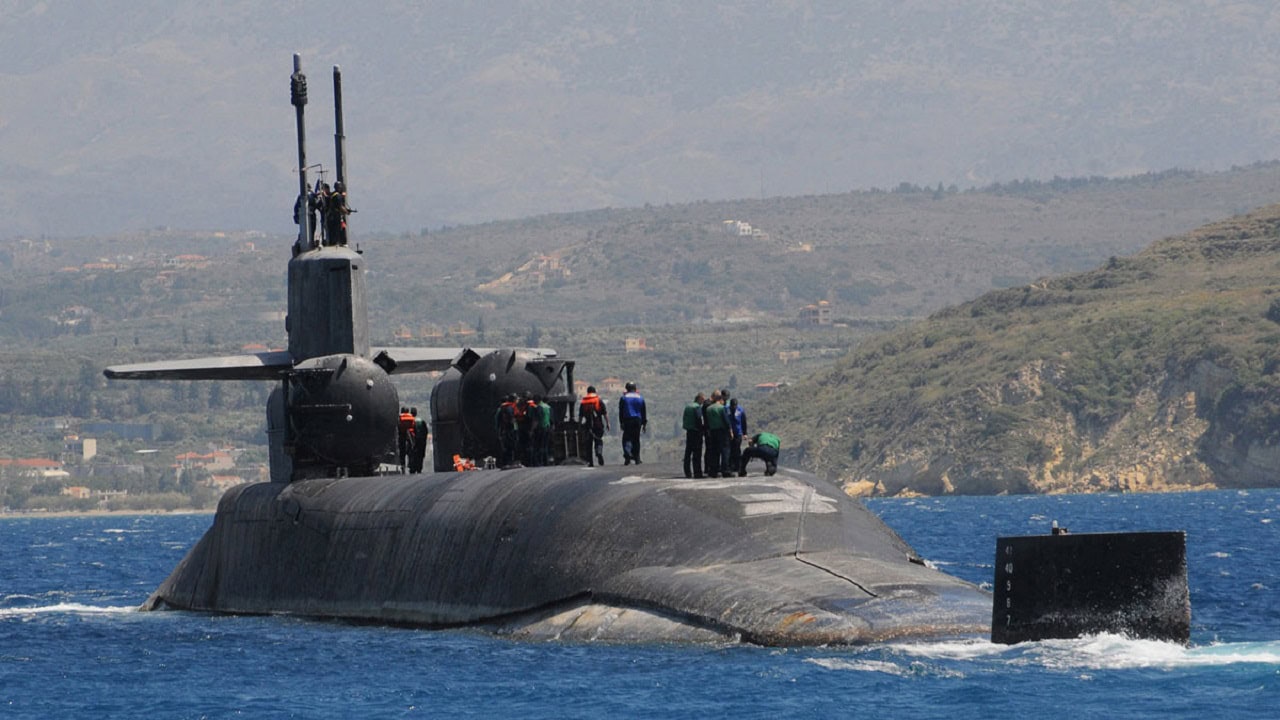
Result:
{"points": [[717, 451], [693, 431], [764, 446], [542, 432]]}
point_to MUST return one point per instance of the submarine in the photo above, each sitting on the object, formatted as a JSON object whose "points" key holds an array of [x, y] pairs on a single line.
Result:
{"points": [[567, 552]]}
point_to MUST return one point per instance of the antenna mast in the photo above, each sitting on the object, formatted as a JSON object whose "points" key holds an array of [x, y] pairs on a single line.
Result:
{"points": [[298, 96], [339, 139]]}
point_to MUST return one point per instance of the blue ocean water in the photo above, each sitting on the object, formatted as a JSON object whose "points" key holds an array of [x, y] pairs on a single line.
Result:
{"points": [[72, 645]]}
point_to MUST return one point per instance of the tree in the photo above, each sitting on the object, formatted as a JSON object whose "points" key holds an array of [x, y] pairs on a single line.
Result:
{"points": [[1273, 312]]}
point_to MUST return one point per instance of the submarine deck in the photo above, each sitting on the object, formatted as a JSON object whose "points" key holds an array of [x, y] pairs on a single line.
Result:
{"points": [[635, 553]]}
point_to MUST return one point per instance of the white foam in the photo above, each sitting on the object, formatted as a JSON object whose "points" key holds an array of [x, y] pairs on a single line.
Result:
{"points": [[67, 608], [879, 666], [1099, 652], [1267, 652], [914, 669], [970, 649], [1102, 652]]}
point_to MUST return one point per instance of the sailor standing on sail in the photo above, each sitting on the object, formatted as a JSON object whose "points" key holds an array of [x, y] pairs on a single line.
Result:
{"points": [[336, 212]]}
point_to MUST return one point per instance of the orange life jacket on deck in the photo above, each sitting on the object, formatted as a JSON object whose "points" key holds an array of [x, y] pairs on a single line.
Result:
{"points": [[406, 423], [591, 411], [507, 418], [591, 402], [529, 412]]}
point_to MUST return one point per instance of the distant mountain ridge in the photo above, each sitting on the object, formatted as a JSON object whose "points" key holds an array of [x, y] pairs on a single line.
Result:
{"points": [[125, 116], [1150, 372], [878, 258], [1156, 371]]}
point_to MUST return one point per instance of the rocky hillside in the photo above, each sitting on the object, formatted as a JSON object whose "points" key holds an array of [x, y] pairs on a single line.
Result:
{"points": [[1156, 371], [875, 257]]}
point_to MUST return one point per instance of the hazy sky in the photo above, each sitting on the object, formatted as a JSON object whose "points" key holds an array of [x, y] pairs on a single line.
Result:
{"points": [[126, 115]]}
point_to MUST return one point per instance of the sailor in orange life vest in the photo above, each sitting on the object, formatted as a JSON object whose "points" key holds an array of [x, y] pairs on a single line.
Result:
{"points": [[634, 420], [595, 421], [507, 422], [406, 439]]}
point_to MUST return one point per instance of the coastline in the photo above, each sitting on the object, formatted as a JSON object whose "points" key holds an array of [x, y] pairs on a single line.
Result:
{"points": [[27, 514]]}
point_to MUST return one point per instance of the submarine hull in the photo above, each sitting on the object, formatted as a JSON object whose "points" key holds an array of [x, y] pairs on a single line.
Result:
{"points": [[626, 554]]}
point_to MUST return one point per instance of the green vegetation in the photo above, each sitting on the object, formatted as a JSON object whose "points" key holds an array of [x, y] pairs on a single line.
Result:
{"points": [[1023, 388], [1080, 379]]}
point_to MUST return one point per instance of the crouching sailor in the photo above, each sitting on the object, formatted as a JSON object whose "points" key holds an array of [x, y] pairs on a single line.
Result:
{"points": [[764, 446]]}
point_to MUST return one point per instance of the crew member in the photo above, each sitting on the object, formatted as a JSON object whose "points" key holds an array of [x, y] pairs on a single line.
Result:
{"points": [[764, 446], [527, 414], [542, 432], [693, 430], [297, 220], [336, 212], [420, 433], [322, 205], [595, 421], [634, 420], [737, 431], [506, 424], [315, 202], [717, 421], [313, 206], [406, 439]]}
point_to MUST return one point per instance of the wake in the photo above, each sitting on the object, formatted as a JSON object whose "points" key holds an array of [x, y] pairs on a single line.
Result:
{"points": [[65, 608], [1089, 653]]}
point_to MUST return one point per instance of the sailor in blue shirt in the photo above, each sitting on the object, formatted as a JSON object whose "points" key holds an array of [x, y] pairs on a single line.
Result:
{"points": [[737, 431], [633, 419]]}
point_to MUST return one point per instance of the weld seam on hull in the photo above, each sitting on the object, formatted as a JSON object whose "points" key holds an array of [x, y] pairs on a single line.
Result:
{"points": [[804, 512], [835, 574], [799, 548]]}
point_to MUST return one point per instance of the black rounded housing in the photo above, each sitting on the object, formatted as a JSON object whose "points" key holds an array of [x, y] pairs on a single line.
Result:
{"points": [[343, 410], [465, 399]]}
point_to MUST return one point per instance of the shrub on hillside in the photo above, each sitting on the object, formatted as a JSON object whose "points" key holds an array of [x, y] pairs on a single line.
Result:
{"points": [[1273, 311]]}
